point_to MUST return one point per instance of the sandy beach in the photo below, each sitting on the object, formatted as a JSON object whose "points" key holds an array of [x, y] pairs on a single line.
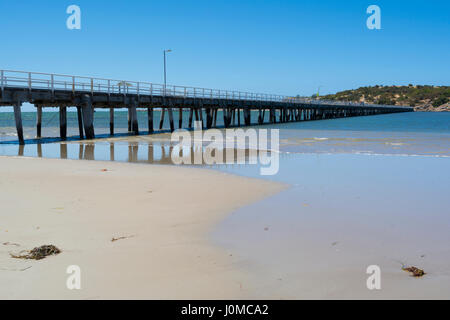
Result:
{"points": [[160, 215]]}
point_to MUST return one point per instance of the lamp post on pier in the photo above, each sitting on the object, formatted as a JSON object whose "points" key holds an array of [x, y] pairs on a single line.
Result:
{"points": [[165, 69], [161, 122]]}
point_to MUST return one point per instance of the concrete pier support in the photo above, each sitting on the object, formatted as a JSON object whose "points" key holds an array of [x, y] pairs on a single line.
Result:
{"points": [[39, 122], [209, 118], [215, 118], [150, 120], [88, 118], [18, 119], [161, 120], [63, 122], [180, 118], [111, 121], [129, 119], [225, 116], [134, 118], [247, 116], [201, 115], [197, 117], [191, 114], [172, 125], [80, 122]]}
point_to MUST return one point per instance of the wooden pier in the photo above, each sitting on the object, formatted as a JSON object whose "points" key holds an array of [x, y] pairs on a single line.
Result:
{"points": [[86, 94]]}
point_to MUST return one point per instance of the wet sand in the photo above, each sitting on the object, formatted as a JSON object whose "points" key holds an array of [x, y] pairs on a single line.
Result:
{"points": [[342, 214], [165, 215]]}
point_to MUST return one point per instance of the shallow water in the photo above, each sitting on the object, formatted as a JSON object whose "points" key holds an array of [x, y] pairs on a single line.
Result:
{"points": [[417, 133], [341, 214]]}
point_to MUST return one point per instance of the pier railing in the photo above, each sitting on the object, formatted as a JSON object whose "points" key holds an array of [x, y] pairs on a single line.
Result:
{"points": [[53, 82]]}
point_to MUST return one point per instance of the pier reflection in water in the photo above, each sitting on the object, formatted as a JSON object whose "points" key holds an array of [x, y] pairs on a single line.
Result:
{"points": [[130, 151]]}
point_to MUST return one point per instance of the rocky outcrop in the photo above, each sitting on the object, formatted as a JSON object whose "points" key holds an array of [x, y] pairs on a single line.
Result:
{"points": [[421, 97], [429, 108]]}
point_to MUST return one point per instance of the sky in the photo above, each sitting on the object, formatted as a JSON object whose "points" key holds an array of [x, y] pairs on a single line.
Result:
{"points": [[265, 46]]}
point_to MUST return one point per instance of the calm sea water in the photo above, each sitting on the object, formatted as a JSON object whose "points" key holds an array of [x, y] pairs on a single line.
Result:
{"points": [[418, 133]]}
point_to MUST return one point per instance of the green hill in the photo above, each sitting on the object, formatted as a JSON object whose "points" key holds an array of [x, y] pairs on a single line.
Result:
{"points": [[430, 98]]}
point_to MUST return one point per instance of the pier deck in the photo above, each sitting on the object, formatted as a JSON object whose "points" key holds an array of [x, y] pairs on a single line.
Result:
{"points": [[85, 93]]}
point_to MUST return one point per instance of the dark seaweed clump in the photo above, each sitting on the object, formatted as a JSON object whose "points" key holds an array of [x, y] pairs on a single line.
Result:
{"points": [[39, 253]]}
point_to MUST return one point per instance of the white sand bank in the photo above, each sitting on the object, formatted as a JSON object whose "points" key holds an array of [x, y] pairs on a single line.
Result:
{"points": [[166, 213]]}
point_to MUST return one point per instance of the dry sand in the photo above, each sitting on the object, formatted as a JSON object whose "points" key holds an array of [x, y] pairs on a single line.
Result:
{"points": [[165, 214]]}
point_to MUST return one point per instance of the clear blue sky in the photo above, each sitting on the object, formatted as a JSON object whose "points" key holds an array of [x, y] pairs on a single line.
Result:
{"points": [[284, 47]]}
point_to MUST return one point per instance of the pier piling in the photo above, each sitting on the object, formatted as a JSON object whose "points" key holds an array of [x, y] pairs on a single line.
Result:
{"points": [[150, 120], [111, 121], [63, 122], [39, 122], [172, 126], [161, 121], [130, 116], [191, 114], [18, 119], [88, 118], [134, 119], [80, 122]]}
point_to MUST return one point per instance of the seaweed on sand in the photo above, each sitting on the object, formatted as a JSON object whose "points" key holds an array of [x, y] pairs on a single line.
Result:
{"points": [[39, 253], [415, 272]]}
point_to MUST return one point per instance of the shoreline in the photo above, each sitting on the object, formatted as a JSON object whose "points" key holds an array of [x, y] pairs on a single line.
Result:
{"points": [[164, 213]]}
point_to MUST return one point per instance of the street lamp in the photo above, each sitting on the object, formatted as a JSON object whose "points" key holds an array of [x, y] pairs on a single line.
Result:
{"points": [[318, 91], [165, 70]]}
